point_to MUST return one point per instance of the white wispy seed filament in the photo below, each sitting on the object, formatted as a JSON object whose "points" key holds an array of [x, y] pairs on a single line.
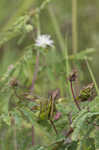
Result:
{"points": [[44, 41]]}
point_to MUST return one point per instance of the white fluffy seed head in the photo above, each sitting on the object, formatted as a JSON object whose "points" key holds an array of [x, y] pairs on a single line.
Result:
{"points": [[44, 41]]}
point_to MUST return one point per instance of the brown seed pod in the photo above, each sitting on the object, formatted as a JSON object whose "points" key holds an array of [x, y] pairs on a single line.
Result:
{"points": [[14, 82], [73, 76]]}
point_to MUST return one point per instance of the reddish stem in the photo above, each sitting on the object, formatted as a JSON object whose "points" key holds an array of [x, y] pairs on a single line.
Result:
{"points": [[76, 103], [32, 87], [70, 118], [53, 125], [69, 132], [35, 73], [32, 135]]}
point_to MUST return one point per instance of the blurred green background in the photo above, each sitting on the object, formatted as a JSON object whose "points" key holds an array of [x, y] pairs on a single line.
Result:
{"points": [[87, 37], [87, 27]]}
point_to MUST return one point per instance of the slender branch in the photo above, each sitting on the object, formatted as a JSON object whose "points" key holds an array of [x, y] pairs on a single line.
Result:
{"points": [[69, 132], [70, 118], [32, 87], [52, 123], [74, 97], [14, 132], [32, 135], [92, 75], [19, 97], [56, 28], [35, 73], [74, 26], [37, 57], [75, 37]]}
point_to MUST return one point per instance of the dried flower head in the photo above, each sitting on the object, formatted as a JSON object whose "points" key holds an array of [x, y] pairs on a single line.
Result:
{"points": [[73, 76], [90, 86], [87, 93], [44, 41], [14, 82]]}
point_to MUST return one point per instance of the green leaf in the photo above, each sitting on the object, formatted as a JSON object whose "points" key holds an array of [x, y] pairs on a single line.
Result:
{"points": [[37, 147], [72, 146], [18, 28], [6, 118], [87, 144], [17, 117], [97, 138], [82, 54], [28, 114]]}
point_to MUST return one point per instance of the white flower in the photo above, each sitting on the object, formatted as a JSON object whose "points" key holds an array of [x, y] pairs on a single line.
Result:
{"points": [[44, 41]]}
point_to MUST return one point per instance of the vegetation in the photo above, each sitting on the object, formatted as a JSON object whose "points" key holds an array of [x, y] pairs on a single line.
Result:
{"points": [[47, 101]]}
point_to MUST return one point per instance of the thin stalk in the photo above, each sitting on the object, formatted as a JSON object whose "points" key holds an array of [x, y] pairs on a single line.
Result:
{"points": [[76, 103], [56, 28], [62, 43], [92, 76], [67, 65], [70, 118], [38, 25], [52, 123], [15, 142], [69, 132], [74, 26], [37, 58], [44, 4], [14, 133], [75, 38], [35, 71], [32, 135]]}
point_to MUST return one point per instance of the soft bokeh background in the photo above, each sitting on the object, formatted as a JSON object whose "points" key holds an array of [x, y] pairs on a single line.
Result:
{"points": [[87, 37], [87, 26]]}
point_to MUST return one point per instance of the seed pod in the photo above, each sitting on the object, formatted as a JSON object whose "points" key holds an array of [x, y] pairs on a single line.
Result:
{"points": [[14, 82], [73, 76], [87, 93]]}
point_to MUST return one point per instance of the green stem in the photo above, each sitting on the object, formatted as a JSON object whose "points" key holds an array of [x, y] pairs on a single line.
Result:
{"points": [[76, 103], [75, 38], [44, 4], [56, 28], [37, 57], [68, 69], [38, 24], [62, 42], [35, 71], [92, 75], [74, 26], [54, 127], [14, 133]]}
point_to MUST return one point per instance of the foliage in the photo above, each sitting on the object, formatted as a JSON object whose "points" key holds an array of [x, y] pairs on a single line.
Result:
{"points": [[60, 122]]}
